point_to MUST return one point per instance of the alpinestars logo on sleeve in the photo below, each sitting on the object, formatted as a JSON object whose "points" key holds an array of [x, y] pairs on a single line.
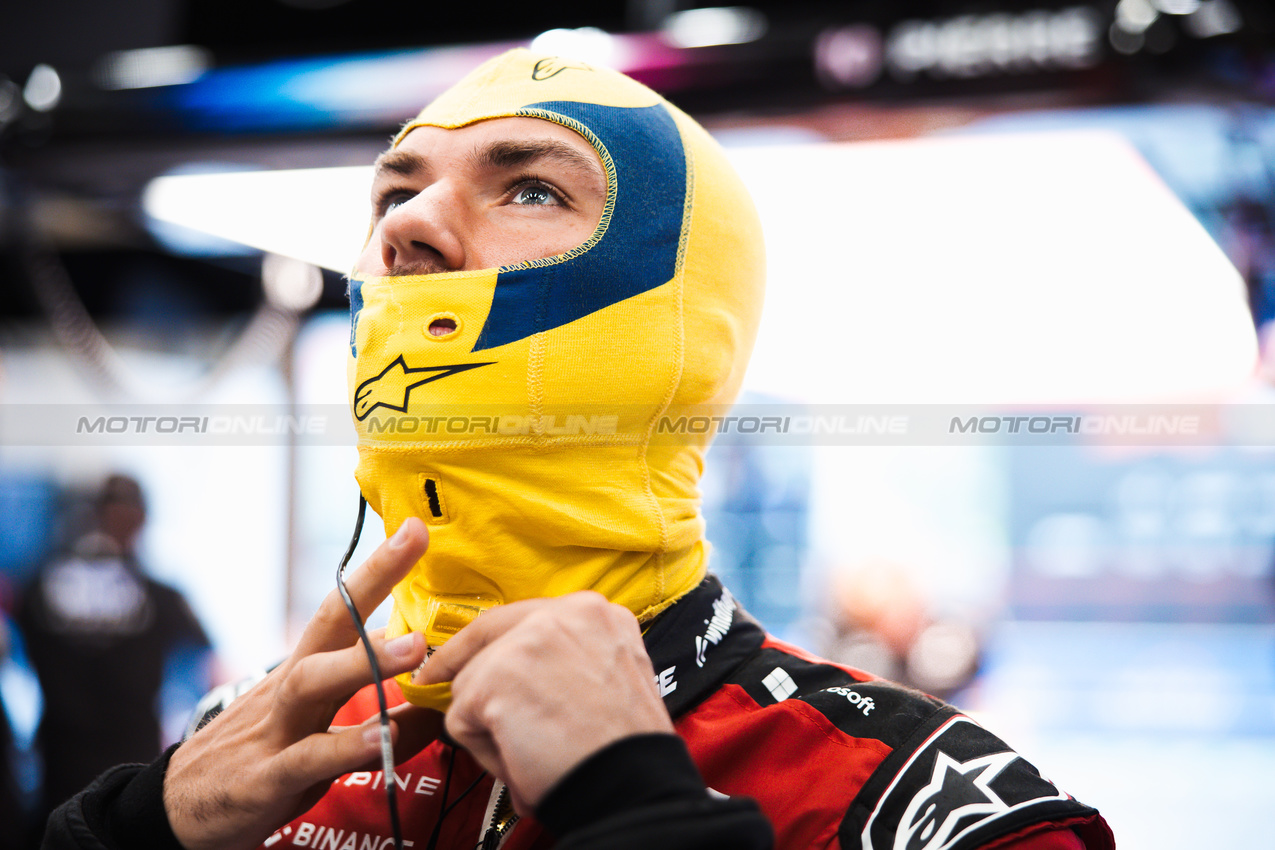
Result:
{"points": [[393, 386], [959, 789], [956, 790]]}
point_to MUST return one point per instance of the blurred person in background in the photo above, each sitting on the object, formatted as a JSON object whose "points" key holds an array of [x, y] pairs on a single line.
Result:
{"points": [[102, 637], [878, 619], [551, 238]]}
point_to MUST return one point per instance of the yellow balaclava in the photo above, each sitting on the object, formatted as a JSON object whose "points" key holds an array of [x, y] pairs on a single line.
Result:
{"points": [[528, 439]]}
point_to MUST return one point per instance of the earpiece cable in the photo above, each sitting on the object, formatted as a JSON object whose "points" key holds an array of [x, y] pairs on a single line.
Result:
{"points": [[387, 743]]}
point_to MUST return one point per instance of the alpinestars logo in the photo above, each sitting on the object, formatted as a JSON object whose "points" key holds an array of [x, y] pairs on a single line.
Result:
{"points": [[718, 625], [393, 386], [956, 790], [960, 789]]}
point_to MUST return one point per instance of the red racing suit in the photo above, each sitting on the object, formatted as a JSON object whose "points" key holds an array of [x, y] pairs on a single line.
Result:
{"points": [[835, 757]]}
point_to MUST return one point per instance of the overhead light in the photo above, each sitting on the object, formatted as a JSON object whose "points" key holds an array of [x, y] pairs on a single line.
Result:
{"points": [[272, 211], [587, 44], [1178, 7], [152, 66], [1214, 17], [43, 90], [849, 57], [1134, 16], [714, 26], [1124, 41]]}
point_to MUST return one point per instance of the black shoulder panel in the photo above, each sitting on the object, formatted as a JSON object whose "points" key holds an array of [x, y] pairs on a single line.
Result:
{"points": [[880, 710], [954, 786]]}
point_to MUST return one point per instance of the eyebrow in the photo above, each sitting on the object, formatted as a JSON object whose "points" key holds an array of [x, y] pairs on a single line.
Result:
{"points": [[507, 153], [510, 153], [402, 163]]}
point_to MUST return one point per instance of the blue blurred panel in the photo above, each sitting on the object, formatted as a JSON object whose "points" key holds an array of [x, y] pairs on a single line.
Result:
{"points": [[756, 505], [355, 90], [28, 507], [1133, 678], [1159, 536], [255, 98], [1168, 729]]}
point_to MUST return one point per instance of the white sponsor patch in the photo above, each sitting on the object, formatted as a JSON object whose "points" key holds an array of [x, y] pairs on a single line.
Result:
{"points": [[780, 684]]}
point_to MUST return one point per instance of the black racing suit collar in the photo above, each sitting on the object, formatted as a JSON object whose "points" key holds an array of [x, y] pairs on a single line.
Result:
{"points": [[696, 643]]}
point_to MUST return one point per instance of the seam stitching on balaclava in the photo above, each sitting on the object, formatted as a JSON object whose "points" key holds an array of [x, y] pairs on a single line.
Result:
{"points": [[608, 208], [398, 306], [394, 447], [538, 350], [537, 346], [675, 378]]}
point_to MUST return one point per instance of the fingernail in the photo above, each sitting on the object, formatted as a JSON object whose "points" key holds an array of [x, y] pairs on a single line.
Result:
{"points": [[402, 646], [400, 536], [372, 733]]}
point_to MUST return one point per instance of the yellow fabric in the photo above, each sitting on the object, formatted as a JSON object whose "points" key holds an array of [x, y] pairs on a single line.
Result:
{"points": [[536, 462]]}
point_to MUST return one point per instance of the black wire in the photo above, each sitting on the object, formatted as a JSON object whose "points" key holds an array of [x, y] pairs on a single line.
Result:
{"points": [[463, 794], [387, 750], [445, 807]]}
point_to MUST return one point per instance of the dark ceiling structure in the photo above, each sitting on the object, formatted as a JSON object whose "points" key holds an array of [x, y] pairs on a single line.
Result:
{"points": [[96, 99]]}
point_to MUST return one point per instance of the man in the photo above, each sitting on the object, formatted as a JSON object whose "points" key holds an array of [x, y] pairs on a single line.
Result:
{"points": [[104, 639], [558, 262]]}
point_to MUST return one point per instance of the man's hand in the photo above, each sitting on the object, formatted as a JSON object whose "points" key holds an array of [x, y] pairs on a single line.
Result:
{"points": [[540, 685], [271, 754]]}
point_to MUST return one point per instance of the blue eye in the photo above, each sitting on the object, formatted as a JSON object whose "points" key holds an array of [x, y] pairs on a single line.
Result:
{"points": [[394, 201], [536, 194]]}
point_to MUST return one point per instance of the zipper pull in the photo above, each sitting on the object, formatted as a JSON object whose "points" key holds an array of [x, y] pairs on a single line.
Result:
{"points": [[503, 818]]}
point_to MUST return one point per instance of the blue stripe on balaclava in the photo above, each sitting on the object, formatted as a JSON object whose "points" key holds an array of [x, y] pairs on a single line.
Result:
{"points": [[639, 250]]}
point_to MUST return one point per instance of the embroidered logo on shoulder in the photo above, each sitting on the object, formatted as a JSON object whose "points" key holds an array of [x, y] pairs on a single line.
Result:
{"points": [[961, 788], [858, 700], [716, 626], [780, 684], [957, 790]]}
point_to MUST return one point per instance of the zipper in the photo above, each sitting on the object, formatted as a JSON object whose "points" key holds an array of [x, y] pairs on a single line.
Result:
{"points": [[501, 818]]}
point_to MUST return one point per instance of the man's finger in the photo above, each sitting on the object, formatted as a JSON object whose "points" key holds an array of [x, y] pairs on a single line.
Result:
{"points": [[448, 659], [479, 743], [331, 627], [326, 755], [316, 682]]}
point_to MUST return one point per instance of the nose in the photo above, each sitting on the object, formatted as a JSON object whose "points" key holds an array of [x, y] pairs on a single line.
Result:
{"points": [[426, 233]]}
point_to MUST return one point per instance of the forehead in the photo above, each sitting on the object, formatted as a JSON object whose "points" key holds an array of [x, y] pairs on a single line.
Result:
{"points": [[498, 142]]}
